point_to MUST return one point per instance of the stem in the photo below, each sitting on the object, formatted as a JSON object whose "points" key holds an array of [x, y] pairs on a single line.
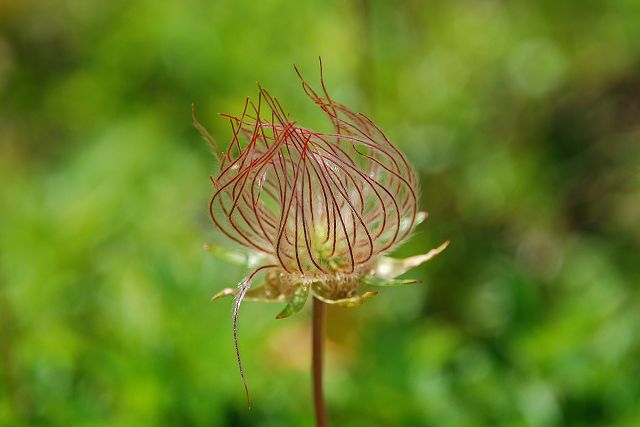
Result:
{"points": [[317, 352]]}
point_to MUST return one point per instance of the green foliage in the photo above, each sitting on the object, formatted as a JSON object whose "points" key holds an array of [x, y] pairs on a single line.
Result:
{"points": [[520, 117]]}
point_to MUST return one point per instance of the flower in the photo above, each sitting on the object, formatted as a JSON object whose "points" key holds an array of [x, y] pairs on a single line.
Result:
{"points": [[317, 212]]}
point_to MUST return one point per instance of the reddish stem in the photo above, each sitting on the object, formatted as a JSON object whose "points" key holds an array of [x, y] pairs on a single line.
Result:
{"points": [[317, 356]]}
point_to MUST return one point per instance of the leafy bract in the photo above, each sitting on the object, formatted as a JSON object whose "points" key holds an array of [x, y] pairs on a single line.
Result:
{"points": [[296, 302], [390, 268]]}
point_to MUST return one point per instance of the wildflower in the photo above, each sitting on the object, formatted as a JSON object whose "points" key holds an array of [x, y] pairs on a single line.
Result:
{"points": [[317, 212]]}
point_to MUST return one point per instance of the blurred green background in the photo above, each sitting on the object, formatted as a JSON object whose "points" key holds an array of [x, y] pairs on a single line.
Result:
{"points": [[522, 118]]}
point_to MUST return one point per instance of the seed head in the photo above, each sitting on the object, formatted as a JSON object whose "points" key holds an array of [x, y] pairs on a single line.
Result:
{"points": [[317, 203]]}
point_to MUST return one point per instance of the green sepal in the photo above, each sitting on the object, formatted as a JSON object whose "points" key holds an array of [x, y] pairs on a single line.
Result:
{"points": [[229, 255], [248, 258], [390, 268], [257, 293], [378, 281], [296, 302], [421, 216], [347, 302], [224, 293]]}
